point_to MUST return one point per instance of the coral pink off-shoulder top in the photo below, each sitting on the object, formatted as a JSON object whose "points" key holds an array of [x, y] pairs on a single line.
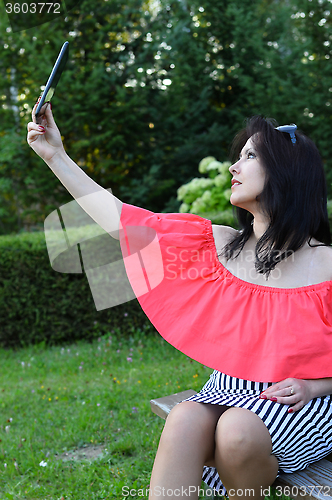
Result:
{"points": [[245, 330]]}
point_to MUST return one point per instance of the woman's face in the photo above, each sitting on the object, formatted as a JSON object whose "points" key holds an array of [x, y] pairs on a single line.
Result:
{"points": [[248, 178]]}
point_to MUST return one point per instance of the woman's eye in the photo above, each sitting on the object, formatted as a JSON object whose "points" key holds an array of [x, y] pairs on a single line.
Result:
{"points": [[249, 155]]}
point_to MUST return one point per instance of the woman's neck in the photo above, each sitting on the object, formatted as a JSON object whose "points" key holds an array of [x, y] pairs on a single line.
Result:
{"points": [[259, 227]]}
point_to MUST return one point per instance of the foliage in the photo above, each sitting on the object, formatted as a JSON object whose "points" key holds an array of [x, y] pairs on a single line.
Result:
{"points": [[151, 88], [209, 196], [38, 304]]}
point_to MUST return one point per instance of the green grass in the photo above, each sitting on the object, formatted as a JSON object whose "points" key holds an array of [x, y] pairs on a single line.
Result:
{"points": [[57, 400]]}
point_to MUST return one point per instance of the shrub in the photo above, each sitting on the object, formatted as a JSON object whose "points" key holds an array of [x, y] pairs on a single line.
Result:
{"points": [[209, 196], [38, 304]]}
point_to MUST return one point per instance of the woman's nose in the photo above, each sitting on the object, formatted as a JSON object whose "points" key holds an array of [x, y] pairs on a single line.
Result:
{"points": [[234, 168]]}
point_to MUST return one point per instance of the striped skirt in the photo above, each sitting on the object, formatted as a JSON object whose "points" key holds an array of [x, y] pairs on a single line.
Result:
{"points": [[298, 438]]}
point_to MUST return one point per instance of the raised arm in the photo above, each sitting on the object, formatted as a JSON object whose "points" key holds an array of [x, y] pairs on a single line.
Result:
{"points": [[103, 207]]}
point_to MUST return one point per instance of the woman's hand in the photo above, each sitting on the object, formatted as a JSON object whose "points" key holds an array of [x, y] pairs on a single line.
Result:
{"points": [[45, 138], [292, 391]]}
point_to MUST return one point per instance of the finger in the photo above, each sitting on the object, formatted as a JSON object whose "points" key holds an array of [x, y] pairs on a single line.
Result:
{"points": [[296, 407], [34, 133], [41, 117], [276, 391], [45, 117], [284, 392], [34, 109], [49, 114], [288, 400], [283, 384], [34, 113], [271, 391], [34, 126]]}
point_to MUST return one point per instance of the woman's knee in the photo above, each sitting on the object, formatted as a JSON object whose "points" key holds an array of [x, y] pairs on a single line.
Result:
{"points": [[180, 420], [241, 435], [189, 425], [188, 418]]}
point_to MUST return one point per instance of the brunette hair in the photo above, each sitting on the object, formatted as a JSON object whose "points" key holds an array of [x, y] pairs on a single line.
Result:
{"points": [[294, 196]]}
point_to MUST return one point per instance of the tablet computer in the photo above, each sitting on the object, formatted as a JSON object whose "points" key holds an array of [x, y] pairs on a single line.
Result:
{"points": [[52, 82]]}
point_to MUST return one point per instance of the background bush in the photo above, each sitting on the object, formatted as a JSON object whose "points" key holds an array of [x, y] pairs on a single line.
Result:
{"points": [[38, 304], [209, 196]]}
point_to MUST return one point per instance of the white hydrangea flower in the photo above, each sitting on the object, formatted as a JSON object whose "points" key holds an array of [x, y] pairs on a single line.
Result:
{"points": [[182, 192], [209, 196], [214, 165], [206, 195], [197, 206], [223, 169], [221, 179], [184, 208], [203, 183], [227, 194], [202, 167], [193, 189]]}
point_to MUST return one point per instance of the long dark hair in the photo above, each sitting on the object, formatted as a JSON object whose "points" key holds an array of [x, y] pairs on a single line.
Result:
{"points": [[294, 197]]}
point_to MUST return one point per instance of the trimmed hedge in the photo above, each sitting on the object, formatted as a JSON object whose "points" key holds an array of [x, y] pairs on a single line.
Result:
{"points": [[38, 304]]}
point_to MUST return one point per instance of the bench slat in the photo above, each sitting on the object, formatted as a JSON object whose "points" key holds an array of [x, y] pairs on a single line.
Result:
{"points": [[162, 406], [316, 477], [318, 474]]}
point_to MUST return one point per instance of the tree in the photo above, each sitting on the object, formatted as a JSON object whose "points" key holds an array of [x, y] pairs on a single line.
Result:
{"points": [[152, 88]]}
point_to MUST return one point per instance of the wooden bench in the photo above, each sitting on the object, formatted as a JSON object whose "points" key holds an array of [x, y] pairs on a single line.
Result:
{"points": [[313, 482]]}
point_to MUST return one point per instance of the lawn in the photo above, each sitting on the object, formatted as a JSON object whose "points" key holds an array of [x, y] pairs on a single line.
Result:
{"points": [[75, 421], [60, 403]]}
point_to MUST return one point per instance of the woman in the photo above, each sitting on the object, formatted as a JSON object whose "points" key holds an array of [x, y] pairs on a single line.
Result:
{"points": [[254, 304]]}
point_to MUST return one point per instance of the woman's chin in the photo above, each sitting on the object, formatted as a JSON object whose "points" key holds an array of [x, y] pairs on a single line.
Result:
{"points": [[237, 203], [233, 201]]}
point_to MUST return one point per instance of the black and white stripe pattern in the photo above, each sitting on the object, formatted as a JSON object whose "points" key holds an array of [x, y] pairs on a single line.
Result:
{"points": [[298, 438]]}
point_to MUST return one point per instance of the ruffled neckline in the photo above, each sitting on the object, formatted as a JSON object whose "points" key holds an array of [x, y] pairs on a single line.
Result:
{"points": [[254, 286]]}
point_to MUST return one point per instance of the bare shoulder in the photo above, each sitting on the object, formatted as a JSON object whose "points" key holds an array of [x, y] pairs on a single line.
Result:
{"points": [[327, 259], [223, 234], [323, 258]]}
